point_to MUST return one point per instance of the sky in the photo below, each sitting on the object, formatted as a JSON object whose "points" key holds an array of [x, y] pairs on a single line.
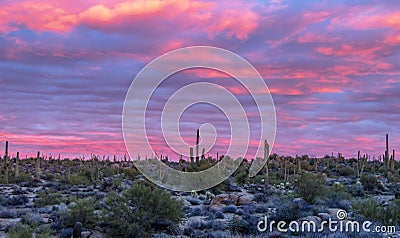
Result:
{"points": [[332, 67]]}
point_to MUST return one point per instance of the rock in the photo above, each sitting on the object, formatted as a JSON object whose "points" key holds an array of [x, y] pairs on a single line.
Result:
{"points": [[224, 199], [334, 212], [383, 199], [193, 201], [85, 234], [315, 219], [244, 199], [345, 181], [197, 222], [6, 223], [324, 216], [300, 203], [62, 207]]}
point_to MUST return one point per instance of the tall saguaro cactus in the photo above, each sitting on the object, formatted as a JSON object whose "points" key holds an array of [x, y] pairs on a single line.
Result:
{"points": [[361, 164], [17, 166], [386, 159], [191, 157], [266, 153], [37, 166], [392, 162], [6, 164], [197, 145]]}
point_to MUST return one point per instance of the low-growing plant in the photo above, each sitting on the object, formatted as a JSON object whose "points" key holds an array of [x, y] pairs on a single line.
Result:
{"points": [[310, 186], [48, 197], [78, 179], [139, 211], [346, 171], [370, 182], [20, 231], [82, 212], [370, 209]]}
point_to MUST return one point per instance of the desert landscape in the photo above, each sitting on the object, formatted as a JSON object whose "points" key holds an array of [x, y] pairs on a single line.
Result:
{"points": [[108, 197]]}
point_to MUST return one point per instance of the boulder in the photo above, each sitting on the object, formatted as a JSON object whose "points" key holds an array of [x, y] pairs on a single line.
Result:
{"points": [[384, 199], [224, 199], [244, 199], [324, 216]]}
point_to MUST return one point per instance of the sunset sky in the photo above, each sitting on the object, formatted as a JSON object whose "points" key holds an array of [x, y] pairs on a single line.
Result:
{"points": [[333, 68]]}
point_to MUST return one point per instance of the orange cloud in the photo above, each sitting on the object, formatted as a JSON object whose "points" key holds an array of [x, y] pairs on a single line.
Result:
{"points": [[38, 15], [238, 20]]}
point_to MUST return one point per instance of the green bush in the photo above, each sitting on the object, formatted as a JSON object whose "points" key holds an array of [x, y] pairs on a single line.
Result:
{"points": [[370, 182], [20, 231], [346, 171], [370, 209], [48, 197], [79, 179], [241, 178], [138, 210], [44, 232], [82, 212], [309, 186]]}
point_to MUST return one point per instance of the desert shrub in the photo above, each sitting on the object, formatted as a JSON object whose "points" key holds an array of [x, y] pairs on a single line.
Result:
{"points": [[307, 166], [7, 213], [241, 178], [194, 212], [286, 210], [44, 232], [309, 186], [370, 209], [48, 197], [370, 182], [140, 211], [130, 173], [13, 200], [32, 220], [24, 177], [219, 215], [218, 225], [229, 209], [78, 179], [356, 190], [66, 233], [20, 231], [335, 196], [346, 171], [82, 212]]}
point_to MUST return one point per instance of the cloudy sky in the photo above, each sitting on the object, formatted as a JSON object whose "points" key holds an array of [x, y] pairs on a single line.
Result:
{"points": [[333, 68]]}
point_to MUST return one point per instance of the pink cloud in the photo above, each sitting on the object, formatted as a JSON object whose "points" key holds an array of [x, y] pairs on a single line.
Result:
{"points": [[238, 20]]}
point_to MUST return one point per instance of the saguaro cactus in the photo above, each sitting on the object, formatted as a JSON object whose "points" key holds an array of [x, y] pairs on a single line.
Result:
{"points": [[191, 157], [6, 164], [360, 164], [393, 161], [197, 145], [37, 166], [266, 153], [17, 166], [386, 162], [77, 231]]}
